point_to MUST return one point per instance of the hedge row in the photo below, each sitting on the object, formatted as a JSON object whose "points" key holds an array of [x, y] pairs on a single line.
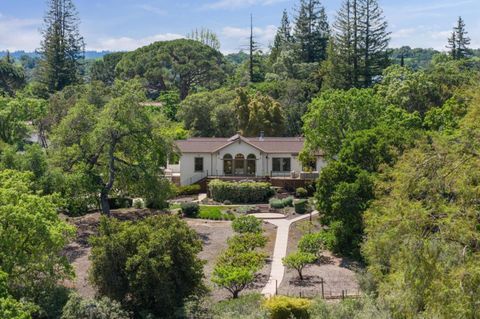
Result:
{"points": [[240, 193]]}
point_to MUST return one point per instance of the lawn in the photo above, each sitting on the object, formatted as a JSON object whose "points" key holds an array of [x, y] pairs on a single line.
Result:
{"points": [[216, 213]]}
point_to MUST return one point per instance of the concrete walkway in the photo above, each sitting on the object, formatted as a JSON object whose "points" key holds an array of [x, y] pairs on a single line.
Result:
{"points": [[201, 197], [280, 251]]}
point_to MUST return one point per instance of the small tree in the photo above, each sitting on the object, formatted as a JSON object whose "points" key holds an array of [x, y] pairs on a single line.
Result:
{"points": [[312, 244], [298, 261], [247, 241], [247, 224], [234, 279]]}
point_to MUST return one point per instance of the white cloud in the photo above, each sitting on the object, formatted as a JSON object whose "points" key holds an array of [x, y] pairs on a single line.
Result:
{"points": [[128, 43], [19, 34], [152, 9], [233, 4], [421, 37], [239, 36]]}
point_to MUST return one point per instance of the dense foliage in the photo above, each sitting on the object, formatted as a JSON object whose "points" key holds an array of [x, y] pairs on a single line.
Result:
{"points": [[399, 129], [150, 266]]}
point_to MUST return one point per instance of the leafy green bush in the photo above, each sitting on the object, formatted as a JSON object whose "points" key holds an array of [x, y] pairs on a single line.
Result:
{"points": [[190, 209], [288, 201], [193, 189], [138, 203], [154, 259], [240, 193], [312, 243], [276, 203], [301, 192], [247, 224], [301, 206], [283, 307], [103, 308]]}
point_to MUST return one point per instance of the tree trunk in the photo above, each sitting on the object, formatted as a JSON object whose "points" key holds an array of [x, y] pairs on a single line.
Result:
{"points": [[300, 274], [184, 88], [104, 204], [235, 294], [111, 178]]}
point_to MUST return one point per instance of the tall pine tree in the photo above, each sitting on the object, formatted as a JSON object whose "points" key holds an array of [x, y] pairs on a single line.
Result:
{"points": [[459, 41], [311, 31], [373, 42], [283, 38], [360, 46], [62, 48]]}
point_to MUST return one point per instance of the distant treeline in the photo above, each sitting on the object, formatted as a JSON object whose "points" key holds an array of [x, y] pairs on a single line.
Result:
{"points": [[93, 55]]}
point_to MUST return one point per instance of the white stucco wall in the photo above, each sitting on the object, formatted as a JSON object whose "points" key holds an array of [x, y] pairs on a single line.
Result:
{"points": [[187, 167], [213, 162], [239, 147]]}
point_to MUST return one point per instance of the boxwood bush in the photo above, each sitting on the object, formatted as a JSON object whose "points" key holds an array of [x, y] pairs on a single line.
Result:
{"points": [[240, 193], [276, 203], [301, 192], [190, 209], [301, 206], [288, 202]]}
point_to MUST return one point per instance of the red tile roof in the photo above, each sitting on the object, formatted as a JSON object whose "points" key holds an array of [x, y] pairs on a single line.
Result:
{"points": [[266, 144]]}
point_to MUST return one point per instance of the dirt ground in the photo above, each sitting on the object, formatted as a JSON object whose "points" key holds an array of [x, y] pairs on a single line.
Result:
{"points": [[214, 235], [337, 273]]}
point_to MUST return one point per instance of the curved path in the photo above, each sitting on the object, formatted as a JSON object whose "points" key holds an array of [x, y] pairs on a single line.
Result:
{"points": [[280, 251]]}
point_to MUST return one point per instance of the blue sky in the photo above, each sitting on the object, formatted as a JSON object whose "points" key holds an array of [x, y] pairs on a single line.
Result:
{"points": [[128, 24]]}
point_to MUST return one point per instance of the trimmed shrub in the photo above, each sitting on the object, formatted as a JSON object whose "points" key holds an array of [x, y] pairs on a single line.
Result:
{"points": [[288, 202], [247, 224], [301, 206], [283, 307], [190, 209], [138, 203], [276, 203], [301, 192], [240, 193], [187, 190]]}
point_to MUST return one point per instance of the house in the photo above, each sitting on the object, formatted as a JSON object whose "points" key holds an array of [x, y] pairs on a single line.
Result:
{"points": [[238, 157]]}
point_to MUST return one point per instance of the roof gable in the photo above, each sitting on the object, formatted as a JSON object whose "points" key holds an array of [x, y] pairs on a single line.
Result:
{"points": [[267, 144]]}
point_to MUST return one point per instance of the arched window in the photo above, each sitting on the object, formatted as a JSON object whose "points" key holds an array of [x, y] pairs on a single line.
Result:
{"points": [[239, 164], [251, 164], [227, 164]]}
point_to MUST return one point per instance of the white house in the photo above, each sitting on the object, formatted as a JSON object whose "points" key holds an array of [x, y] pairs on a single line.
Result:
{"points": [[238, 156]]}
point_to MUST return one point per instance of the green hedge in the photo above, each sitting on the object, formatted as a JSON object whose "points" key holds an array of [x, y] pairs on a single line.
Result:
{"points": [[281, 203], [193, 189], [240, 193], [276, 203]]}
